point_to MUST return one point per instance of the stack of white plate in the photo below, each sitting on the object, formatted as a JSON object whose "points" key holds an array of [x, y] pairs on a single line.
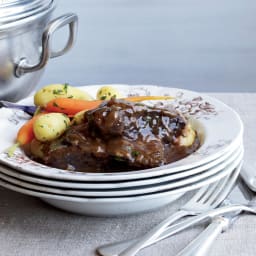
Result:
{"points": [[220, 131]]}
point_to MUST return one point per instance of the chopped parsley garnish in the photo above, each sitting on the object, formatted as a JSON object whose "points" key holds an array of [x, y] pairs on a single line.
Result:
{"points": [[103, 97], [61, 91], [65, 122], [58, 91], [119, 158], [135, 153], [65, 87], [113, 96], [55, 104]]}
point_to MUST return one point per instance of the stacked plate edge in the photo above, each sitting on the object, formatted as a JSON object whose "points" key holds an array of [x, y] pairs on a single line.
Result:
{"points": [[220, 130]]}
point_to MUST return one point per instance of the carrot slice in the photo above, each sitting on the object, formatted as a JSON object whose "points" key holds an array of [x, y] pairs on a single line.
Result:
{"points": [[142, 98], [25, 133], [71, 106]]}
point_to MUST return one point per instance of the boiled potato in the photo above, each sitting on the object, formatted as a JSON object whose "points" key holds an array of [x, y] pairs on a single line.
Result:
{"points": [[79, 117], [50, 126], [52, 91], [108, 92], [188, 136]]}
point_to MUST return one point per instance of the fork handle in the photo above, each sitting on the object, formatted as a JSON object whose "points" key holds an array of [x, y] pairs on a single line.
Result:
{"points": [[153, 234], [114, 249], [201, 244]]}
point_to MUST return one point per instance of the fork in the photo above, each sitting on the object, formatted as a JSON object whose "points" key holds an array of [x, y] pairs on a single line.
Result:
{"points": [[202, 243], [207, 198], [26, 108]]}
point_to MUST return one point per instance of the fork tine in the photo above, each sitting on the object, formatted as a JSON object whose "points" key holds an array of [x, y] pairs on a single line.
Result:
{"points": [[201, 192], [216, 191], [211, 191], [208, 198], [223, 193]]}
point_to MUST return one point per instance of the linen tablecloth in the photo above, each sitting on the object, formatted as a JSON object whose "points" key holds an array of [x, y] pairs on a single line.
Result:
{"points": [[29, 227]]}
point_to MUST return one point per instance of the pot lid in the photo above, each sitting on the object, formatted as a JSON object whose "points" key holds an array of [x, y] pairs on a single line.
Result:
{"points": [[15, 12]]}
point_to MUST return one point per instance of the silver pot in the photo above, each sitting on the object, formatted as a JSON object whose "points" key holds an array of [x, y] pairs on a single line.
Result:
{"points": [[25, 43]]}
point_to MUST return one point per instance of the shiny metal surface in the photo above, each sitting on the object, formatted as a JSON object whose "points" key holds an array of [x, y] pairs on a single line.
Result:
{"points": [[205, 199], [25, 33], [200, 245], [115, 248], [18, 12], [67, 19], [248, 174]]}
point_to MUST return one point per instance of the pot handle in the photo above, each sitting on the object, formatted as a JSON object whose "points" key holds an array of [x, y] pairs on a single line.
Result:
{"points": [[67, 19]]}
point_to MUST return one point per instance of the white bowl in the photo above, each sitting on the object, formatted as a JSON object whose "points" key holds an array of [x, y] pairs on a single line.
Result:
{"points": [[218, 126], [110, 185], [229, 163], [117, 205]]}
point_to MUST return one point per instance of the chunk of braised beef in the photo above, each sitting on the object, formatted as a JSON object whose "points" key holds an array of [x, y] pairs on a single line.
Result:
{"points": [[119, 136]]}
